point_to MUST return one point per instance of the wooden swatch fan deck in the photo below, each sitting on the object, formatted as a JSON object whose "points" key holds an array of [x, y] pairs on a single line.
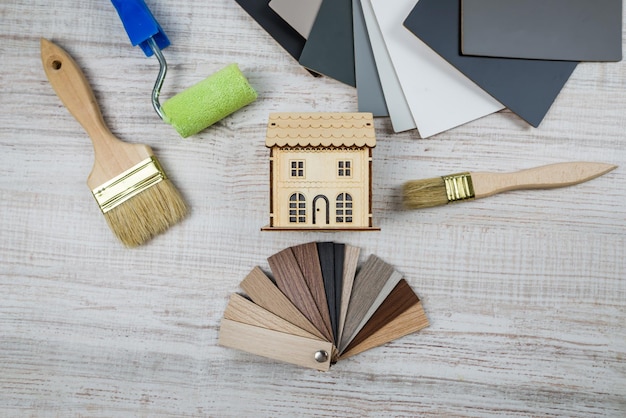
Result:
{"points": [[318, 308]]}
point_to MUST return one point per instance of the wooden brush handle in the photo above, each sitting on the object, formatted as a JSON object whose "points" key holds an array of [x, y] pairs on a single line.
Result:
{"points": [[112, 156], [72, 87], [545, 177]]}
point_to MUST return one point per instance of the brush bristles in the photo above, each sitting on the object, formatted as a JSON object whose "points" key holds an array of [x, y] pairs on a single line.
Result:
{"points": [[419, 194], [147, 214]]}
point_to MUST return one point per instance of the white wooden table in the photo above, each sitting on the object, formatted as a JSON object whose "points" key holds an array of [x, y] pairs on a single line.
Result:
{"points": [[526, 291]]}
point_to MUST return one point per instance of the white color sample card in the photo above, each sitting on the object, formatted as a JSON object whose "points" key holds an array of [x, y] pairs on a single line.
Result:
{"points": [[439, 96], [399, 112]]}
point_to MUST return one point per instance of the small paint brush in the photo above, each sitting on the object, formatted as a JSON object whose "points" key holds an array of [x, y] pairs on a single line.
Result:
{"points": [[418, 194], [134, 194]]}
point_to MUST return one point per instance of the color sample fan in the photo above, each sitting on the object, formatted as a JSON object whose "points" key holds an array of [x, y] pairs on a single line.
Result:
{"points": [[318, 309]]}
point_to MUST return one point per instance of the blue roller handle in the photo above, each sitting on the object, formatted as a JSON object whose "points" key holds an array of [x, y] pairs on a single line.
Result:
{"points": [[140, 25]]}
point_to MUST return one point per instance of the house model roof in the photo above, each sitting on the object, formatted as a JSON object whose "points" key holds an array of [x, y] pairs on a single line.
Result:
{"points": [[321, 129]]}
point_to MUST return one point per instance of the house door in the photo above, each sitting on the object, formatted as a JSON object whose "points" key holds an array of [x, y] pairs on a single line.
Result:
{"points": [[321, 209]]}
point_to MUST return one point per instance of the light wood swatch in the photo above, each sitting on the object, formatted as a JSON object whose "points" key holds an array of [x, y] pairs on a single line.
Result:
{"points": [[399, 300], [349, 271], [244, 310], [291, 282], [368, 284], [308, 260], [408, 322], [264, 293], [273, 344]]}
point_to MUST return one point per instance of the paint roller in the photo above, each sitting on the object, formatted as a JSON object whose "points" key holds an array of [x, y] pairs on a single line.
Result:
{"points": [[201, 105]]}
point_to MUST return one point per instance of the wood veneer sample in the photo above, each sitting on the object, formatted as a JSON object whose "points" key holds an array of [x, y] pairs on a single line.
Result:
{"points": [[326, 255], [527, 87], [340, 255], [575, 30], [291, 282], [308, 260], [408, 322], [399, 300], [329, 49], [367, 287], [275, 345], [438, 95], [243, 310], [349, 271], [397, 106], [369, 92], [299, 14], [264, 293]]}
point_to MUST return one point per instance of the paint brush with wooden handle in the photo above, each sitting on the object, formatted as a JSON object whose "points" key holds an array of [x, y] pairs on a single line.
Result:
{"points": [[133, 192], [418, 194]]}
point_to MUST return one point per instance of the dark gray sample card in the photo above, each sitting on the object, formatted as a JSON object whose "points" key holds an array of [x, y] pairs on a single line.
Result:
{"points": [[329, 49], [369, 90], [275, 26], [527, 87], [575, 30]]}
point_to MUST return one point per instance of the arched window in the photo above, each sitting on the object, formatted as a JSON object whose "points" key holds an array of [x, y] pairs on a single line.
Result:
{"points": [[297, 208], [343, 208]]}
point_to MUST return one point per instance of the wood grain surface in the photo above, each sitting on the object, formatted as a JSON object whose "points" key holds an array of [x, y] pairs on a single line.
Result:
{"points": [[525, 291]]}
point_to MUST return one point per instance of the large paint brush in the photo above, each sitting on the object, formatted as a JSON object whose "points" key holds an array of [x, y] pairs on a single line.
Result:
{"points": [[132, 190], [418, 194]]}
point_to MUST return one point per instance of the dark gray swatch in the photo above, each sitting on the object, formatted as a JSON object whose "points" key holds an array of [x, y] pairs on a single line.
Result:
{"points": [[329, 49], [275, 26], [575, 30], [369, 91], [527, 87], [326, 253]]}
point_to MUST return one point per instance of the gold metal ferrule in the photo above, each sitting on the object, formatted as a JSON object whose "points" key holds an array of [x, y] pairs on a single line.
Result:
{"points": [[459, 187], [128, 184]]}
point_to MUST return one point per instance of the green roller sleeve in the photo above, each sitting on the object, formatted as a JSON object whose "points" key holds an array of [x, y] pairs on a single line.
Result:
{"points": [[208, 101]]}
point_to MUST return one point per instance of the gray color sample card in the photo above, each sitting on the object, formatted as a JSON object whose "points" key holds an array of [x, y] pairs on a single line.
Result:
{"points": [[329, 49], [369, 91], [300, 14], [527, 87], [575, 30]]}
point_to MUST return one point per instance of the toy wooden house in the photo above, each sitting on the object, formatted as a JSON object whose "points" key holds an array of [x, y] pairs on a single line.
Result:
{"points": [[320, 171]]}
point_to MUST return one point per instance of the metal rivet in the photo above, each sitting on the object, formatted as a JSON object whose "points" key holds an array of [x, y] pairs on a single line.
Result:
{"points": [[321, 356]]}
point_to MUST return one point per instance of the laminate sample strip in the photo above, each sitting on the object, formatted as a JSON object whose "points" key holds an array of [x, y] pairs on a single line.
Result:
{"points": [[401, 299], [399, 112], [326, 261], [308, 260], [273, 344], [245, 311], [264, 293], [349, 271], [527, 87], [575, 30], [438, 95], [370, 283], [329, 49], [340, 255], [370, 95], [299, 14], [291, 282]]}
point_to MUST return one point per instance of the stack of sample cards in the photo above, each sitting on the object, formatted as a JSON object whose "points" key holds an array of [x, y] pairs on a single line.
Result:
{"points": [[432, 65], [320, 308]]}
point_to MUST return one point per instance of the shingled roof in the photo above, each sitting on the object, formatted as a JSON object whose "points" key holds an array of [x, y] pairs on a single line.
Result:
{"points": [[320, 129]]}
